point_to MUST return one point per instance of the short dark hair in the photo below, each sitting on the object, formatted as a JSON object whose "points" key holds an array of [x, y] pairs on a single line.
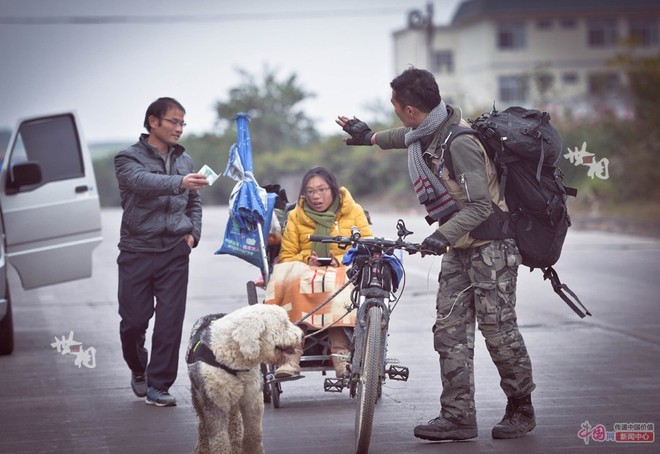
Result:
{"points": [[418, 88], [324, 173], [159, 108]]}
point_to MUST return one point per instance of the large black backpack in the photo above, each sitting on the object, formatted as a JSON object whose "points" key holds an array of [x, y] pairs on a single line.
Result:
{"points": [[526, 148]]}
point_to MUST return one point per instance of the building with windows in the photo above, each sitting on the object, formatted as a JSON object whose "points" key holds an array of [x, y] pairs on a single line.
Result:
{"points": [[554, 55]]}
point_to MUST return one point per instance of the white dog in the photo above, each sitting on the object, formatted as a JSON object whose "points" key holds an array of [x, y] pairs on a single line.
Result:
{"points": [[224, 355]]}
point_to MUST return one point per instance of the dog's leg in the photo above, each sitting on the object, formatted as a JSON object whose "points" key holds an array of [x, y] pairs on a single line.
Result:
{"points": [[197, 394], [236, 429], [252, 412], [218, 429], [213, 411]]}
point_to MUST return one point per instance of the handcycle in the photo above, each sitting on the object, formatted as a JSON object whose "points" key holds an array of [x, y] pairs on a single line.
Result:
{"points": [[317, 353], [378, 279], [373, 273]]}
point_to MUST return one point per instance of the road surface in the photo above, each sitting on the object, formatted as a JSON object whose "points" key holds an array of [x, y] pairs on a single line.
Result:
{"points": [[602, 370]]}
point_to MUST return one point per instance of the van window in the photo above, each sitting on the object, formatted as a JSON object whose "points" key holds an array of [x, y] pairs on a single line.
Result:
{"points": [[53, 143]]}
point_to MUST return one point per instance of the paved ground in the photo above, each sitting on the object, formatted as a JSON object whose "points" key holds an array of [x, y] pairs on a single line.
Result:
{"points": [[602, 370]]}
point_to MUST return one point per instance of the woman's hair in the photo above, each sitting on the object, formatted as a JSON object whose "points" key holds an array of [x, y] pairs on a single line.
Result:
{"points": [[159, 108], [324, 173], [418, 88]]}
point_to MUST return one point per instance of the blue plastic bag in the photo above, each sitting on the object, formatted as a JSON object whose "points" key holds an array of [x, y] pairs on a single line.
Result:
{"points": [[244, 242]]}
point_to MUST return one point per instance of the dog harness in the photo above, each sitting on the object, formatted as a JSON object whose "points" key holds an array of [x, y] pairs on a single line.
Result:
{"points": [[202, 352]]}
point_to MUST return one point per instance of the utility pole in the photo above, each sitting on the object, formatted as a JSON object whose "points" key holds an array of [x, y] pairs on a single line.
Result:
{"points": [[430, 33], [417, 20]]}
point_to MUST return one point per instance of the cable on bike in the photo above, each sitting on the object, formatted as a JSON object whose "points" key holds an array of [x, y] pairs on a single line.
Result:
{"points": [[402, 284], [330, 298], [309, 314], [319, 331], [454, 303]]}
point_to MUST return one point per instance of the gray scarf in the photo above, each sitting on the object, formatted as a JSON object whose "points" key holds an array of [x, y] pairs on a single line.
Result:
{"points": [[429, 189]]}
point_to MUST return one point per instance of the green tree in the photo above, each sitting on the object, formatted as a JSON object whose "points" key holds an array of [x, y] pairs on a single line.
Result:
{"points": [[643, 74], [638, 154], [273, 105]]}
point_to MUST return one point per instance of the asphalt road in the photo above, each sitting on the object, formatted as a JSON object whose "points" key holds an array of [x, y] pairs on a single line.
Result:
{"points": [[602, 370]]}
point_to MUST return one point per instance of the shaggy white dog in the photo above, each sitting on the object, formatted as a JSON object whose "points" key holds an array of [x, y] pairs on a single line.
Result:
{"points": [[224, 355]]}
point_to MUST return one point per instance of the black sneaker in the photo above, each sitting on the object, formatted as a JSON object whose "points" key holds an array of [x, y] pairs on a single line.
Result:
{"points": [[139, 384], [518, 419], [159, 397], [440, 428]]}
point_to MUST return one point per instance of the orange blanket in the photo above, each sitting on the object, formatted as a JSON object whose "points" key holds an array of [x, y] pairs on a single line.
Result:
{"points": [[300, 288]]}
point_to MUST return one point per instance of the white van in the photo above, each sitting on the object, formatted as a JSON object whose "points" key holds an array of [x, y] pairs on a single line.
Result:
{"points": [[50, 217]]}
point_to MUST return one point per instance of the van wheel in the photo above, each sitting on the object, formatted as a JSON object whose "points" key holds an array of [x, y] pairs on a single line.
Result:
{"points": [[7, 330]]}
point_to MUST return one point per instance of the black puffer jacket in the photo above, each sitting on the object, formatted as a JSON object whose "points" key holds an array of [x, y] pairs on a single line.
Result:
{"points": [[157, 212]]}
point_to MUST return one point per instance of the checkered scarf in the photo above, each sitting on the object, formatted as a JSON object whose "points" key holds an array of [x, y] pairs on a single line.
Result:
{"points": [[429, 189]]}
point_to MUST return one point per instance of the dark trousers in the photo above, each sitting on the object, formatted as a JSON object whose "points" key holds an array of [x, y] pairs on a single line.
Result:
{"points": [[153, 282]]}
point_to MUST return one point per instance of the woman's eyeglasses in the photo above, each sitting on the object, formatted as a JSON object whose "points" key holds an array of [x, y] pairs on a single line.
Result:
{"points": [[321, 191]]}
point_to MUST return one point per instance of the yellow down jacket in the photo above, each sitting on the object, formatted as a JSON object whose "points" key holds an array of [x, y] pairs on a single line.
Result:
{"points": [[299, 226]]}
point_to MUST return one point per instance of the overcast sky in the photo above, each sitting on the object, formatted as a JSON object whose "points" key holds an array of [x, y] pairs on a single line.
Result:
{"points": [[107, 60]]}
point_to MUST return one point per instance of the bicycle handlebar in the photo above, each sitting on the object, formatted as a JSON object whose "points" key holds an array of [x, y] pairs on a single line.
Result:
{"points": [[380, 243]]}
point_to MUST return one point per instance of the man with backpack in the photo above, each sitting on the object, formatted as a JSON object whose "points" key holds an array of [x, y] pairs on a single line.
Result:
{"points": [[458, 185]]}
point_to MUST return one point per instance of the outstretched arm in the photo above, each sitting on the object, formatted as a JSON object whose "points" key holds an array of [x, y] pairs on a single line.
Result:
{"points": [[359, 131]]}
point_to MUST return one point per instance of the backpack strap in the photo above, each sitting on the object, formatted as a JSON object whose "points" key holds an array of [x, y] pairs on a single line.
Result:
{"points": [[445, 155], [570, 191], [498, 158], [561, 290], [496, 227], [502, 160]]}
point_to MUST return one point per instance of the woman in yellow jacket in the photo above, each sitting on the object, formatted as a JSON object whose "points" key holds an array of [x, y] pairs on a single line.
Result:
{"points": [[323, 208]]}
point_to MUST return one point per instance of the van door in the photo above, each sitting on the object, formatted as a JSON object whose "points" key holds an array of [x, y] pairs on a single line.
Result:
{"points": [[49, 201]]}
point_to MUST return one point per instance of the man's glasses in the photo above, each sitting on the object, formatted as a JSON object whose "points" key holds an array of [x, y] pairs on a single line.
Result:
{"points": [[321, 191], [176, 122]]}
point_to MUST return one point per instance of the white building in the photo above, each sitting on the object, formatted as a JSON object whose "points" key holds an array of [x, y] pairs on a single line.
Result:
{"points": [[549, 54]]}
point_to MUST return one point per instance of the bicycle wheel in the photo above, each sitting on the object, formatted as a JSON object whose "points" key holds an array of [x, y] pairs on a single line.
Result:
{"points": [[266, 386], [369, 383], [252, 293], [275, 390]]}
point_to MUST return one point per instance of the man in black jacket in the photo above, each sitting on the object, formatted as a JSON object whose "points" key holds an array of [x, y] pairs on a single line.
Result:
{"points": [[161, 223]]}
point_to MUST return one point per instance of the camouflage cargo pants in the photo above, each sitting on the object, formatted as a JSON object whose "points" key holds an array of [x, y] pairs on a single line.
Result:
{"points": [[479, 284]]}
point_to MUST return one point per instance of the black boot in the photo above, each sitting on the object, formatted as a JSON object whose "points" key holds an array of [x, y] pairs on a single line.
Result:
{"points": [[442, 428], [518, 419]]}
